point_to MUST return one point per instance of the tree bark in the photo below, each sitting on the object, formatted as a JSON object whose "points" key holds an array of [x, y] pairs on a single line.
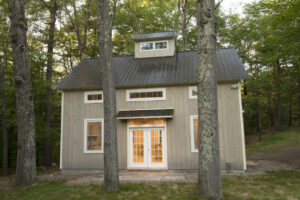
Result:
{"points": [[26, 153], [270, 110], [209, 176], [51, 41], [277, 96], [111, 168], [3, 119], [182, 5], [76, 24]]}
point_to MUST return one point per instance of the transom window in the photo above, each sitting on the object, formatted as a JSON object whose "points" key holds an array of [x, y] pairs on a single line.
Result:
{"points": [[145, 46], [93, 136], [193, 92], [146, 94], [194, 132], [93, 97]]}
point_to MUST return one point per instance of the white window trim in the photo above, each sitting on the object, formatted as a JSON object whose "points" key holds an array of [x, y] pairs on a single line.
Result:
{"points": [[191, 96], [92, 93], [154, 49], [192, 117], [163, 90], [85, 150]]}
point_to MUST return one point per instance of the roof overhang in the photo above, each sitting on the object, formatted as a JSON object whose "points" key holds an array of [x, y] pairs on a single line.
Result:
{"points": [[145, 114]]}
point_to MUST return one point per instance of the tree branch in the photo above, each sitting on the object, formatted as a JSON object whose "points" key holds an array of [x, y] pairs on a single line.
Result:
{"points": [[218, 4]]}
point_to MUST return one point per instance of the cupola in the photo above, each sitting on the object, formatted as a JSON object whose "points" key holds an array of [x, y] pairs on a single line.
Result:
{"points": [[157, 44]]}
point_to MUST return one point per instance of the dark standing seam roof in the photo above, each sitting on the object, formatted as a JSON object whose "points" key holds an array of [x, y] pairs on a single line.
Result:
{"points": [[155, 35], [163, 113], [143, 72]]}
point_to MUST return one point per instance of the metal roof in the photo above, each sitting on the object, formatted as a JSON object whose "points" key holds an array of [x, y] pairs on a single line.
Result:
{"points": [[134, 114], [180, 69], [155, 35]]}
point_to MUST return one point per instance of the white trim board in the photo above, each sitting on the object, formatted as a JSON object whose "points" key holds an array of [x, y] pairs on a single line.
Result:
{"points": [[191, 96], [153, 45], [92, 93], [61, 130], [163, 90], [192, 117], [85, 150], [242, 129]]}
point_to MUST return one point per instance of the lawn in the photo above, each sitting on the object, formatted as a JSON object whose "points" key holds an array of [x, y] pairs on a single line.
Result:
{"points": [[272, 185], [276, 141]]}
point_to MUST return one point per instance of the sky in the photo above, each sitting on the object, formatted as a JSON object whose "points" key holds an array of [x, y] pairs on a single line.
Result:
{"points": [[235, 6]]}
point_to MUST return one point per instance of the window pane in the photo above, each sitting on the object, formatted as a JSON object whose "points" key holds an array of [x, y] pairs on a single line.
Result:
{"points": [[94, 136], [133, 95], [194, 92], [196, 133], [94, 97], [160, 45], [149, 121], [147, 45]]}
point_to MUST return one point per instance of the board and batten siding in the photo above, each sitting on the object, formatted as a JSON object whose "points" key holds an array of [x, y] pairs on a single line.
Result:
{"points": [[180, 156]]}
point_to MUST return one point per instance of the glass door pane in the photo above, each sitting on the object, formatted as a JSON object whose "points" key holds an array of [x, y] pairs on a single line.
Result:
{"points": [[156, 146], [138, 146]]}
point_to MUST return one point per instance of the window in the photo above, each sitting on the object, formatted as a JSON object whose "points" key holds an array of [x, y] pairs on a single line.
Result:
{"points": [[93, 136], [93, 97], [159, 45], [194, 132], [146, 46], [146, 94], [193, 92]]}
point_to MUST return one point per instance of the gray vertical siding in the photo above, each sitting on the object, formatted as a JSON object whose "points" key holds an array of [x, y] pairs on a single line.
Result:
{"points": [[178, 128]]}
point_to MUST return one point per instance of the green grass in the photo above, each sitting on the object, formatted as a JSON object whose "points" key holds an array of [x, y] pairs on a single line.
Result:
{"points": [[272, 185], [277, 141]]}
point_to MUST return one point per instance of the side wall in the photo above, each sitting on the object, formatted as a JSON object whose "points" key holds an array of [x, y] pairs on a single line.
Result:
{"points": [[178, 128]]}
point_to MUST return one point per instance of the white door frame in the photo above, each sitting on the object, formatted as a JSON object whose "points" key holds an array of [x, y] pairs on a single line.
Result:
{"points": [[164, 164]]}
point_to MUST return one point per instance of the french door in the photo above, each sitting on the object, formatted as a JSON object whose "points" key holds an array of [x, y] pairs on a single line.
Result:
{"points": [[147, 148]]}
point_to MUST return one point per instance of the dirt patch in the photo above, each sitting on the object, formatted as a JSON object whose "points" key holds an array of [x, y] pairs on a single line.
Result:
{"points": [[285, 159]]}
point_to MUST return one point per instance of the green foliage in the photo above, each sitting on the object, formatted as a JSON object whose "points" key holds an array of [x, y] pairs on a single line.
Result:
{"points": [[267, 40]]}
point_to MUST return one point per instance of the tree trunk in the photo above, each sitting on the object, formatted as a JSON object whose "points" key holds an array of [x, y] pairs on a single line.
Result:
{"points": [[182, 5], [277, 96], [3, 119], [111, 168], [209, 176], [81, 42], [26, 158], [291, 110], [270, 110], [51, 40], [258, 121]]}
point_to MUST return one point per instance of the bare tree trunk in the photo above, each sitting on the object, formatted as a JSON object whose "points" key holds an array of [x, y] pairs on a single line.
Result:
{"points": [[209, 176], [182, 5], [258, 121], [270, 110], [111, 168], [26, 158], [3, 119], [51, 40], [277, 96], [81, 41], [291, 111]]}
